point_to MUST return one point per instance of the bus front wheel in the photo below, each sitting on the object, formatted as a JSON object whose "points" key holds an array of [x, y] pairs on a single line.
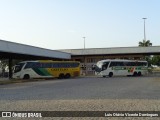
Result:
{"points": [[110, 74], [26, 76]]}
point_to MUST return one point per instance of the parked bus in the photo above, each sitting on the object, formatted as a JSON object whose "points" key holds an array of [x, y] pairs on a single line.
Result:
{"points": [[46, 69], [113, 67]]}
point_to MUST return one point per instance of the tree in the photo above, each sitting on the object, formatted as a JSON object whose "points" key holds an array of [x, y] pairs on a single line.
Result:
{"points": [[156, 60], [149, 60], [3, 66], [145, 43], [3, 63]]}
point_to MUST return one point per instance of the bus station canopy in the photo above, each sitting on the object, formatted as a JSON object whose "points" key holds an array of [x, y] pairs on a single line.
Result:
{"points": [[151, 50], [20, 51]]}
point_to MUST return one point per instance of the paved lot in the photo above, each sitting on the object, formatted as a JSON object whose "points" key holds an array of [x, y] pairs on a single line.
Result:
{"points": [[84, 88], [91, 93]]}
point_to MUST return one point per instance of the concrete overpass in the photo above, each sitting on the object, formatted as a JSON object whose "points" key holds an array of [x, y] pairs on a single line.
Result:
{"points": [[11, 50]]}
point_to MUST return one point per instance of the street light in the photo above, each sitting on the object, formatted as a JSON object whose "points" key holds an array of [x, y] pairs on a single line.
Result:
{"points": [[84, 56], [84, 41], [144, 29]]}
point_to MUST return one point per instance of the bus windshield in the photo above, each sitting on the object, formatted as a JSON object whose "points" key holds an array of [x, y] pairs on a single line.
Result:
{"points": [[97, 67], [99, 64], [18, 67]]}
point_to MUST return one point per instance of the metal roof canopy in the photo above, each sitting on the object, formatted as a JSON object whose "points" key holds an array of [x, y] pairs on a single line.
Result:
{"points": [[21, 51], [151, 50]]}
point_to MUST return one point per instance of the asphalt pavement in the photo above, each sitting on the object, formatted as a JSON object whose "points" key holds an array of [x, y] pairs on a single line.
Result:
{"points": [[84, 94], [84, 88]]}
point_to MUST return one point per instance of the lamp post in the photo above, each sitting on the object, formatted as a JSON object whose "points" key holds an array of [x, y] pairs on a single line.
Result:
{"points": [[144, 29], [84, 41], [84, 56]]}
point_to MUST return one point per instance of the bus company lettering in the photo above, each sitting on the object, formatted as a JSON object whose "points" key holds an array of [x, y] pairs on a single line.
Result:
{"points": [[59, 69]]}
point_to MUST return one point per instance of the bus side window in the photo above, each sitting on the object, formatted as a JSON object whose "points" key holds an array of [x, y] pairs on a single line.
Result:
{"points": [[49, 65], [70, 64], [66, 65], [43, 65], [60, 65], [144, 63], [46, 65], [29, 65], [126, 63], [131, 64], [120, 64], [37, 65], [75, 64], [112, 64], [54, 65]]}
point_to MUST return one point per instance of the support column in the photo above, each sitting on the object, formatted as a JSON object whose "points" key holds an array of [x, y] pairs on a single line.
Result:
{"points": [[10, 68]]}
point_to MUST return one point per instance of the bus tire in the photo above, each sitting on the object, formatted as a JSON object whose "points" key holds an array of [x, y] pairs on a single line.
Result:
{"points": [[110, 74], [61, 76], [135, 74], [139, 73], [67, 75], [26, 76]]}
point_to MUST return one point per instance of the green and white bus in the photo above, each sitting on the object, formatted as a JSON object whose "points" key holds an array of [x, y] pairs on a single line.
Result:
{"points": [[117, 67], [46, 69]]}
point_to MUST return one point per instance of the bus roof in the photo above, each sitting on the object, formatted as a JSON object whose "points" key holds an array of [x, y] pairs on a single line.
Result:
{"points": [[48, 61], [122, 60]]}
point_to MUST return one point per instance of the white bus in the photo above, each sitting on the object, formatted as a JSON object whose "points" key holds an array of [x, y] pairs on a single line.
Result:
{"points": [[116, 67]]}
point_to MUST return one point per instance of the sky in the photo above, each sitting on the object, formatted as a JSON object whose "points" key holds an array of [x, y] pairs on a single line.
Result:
{"points": [[62, 24]]}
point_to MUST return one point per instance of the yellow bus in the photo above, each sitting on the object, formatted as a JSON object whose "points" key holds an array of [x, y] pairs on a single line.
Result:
{"points": [[46, 69]]}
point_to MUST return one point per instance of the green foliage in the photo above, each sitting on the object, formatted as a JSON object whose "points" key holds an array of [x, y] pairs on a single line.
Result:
{"points": [[3, 63], [145, 43], [149, 60], [156, 60]]}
